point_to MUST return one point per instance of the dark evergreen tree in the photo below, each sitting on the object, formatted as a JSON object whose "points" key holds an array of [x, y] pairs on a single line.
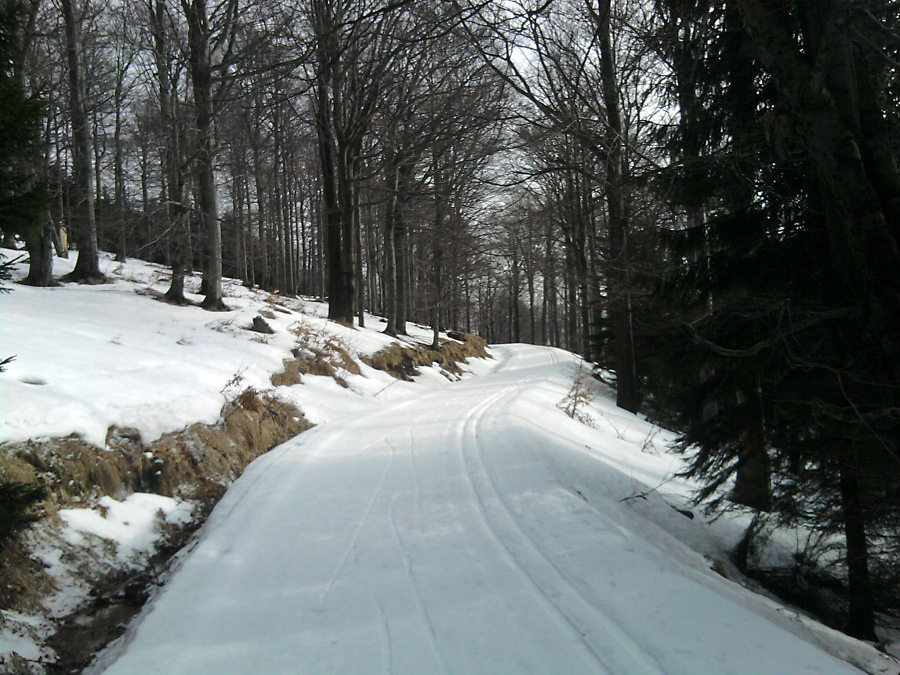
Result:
{"points": [[16, 501], [22, 196], [785, 273]]}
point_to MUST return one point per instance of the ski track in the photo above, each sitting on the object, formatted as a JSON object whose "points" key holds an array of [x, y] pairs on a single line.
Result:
{"points": [[429, 514], [552, 609], [364, 519], [619, 652], [387, 649], [362, 522]]}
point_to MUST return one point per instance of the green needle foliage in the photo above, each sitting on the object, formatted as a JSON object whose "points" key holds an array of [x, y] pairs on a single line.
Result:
{"points": [[16, 501], [21, 196]]}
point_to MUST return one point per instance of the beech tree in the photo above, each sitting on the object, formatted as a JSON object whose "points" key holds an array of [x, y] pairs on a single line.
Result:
{"points": [[196, 14], [87, 266], [353, 54], [167, 69]]}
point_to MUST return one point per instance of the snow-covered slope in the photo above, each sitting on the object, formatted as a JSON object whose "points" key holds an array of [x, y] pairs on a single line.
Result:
{"points": [[433, 526], [90, 357]]}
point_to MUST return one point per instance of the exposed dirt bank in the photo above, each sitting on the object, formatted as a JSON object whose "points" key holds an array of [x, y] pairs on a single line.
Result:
{"points": [[195, 464]]}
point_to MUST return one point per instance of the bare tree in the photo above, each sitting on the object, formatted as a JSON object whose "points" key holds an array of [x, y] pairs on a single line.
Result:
{"points": [[87, 267], [354, 49], [570, 79], [201, 68]]}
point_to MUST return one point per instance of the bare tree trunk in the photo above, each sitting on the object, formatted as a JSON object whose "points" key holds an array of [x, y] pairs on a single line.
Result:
{"points": [[437, 253], [401, 250], [358, 266], [514, 291], [332, 209], [338, 158], [264, 280], [376, 297], [40, 253], [861, 619], [39, 236], [532, 309], [149, 250], [122, 65], [201, 78], [395, 251], [87, 267], [173, 177], [65, 202], [249, 246], [549, 299], [627, 384]]}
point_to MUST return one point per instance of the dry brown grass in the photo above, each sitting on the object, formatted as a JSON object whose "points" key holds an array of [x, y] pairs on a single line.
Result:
{"points": [[283, 304], [24, 581], [192, 463], [403, 361], [316, 353]]}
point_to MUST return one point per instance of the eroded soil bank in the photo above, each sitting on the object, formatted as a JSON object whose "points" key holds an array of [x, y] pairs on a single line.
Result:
{"points": [[195, 464]]}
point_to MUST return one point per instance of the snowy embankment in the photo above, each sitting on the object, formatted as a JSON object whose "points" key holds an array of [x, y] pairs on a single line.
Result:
{"points": [[90, 358], [472, 529], [433, 526]]}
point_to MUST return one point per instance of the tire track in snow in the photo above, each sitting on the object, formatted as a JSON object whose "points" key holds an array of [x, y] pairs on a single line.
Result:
{"points": [[387, 649], [625, 653], [416, 592], [362, 521], [378, 492], [416, 479]]}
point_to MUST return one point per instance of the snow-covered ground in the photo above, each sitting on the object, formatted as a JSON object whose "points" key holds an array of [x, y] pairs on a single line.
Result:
{"points": [[90, 357], [433, 526]]}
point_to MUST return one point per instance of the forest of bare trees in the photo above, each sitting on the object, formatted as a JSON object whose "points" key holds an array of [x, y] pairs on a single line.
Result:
{"points": [[378, 154], [702, 198]]}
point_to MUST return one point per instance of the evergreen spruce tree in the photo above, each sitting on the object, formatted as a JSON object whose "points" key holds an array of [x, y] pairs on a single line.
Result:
{"points": [[781, 335], [16, 501], [22, 196]]}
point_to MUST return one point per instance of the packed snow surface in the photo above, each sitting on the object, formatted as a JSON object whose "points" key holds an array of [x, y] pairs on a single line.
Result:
{"points": [[473, 528], [432, 526]]}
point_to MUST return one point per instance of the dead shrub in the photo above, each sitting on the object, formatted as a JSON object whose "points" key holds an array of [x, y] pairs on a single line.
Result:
{"points": [[291, 374], [316, 353], [580, 394], [249, 400]]}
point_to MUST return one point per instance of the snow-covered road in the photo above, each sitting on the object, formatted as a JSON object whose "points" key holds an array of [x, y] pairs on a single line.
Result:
{"points": [[465, 530]]}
